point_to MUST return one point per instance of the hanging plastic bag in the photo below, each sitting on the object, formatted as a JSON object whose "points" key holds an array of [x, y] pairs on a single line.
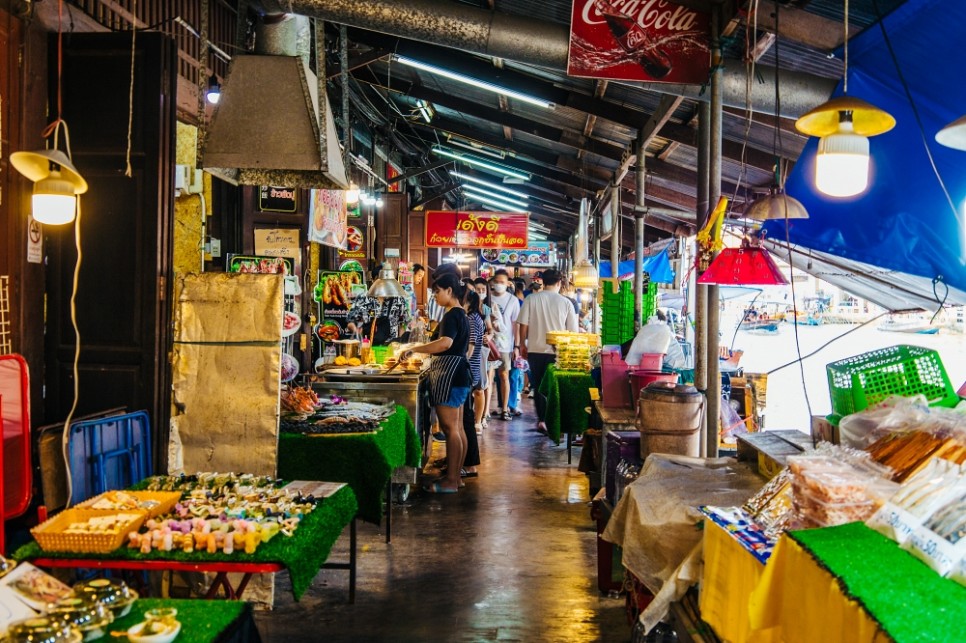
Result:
{"points": [[654, 337], [895, 413]]}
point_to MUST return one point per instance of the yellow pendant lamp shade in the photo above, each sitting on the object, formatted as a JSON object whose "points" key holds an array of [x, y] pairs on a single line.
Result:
{"points": [[776, 206], [867, 119], [953, 135], [844, 123]]}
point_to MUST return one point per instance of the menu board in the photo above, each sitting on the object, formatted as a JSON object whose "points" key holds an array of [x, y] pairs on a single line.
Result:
{"points": [[327, 218], [539, 254]]}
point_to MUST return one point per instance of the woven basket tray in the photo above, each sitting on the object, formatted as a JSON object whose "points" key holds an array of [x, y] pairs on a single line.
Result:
{"points": [[166, 501], [51, 537]]}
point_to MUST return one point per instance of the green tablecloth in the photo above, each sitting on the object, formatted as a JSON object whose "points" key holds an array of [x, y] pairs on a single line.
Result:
{"points": [[201, 621], [366, 462], [910, 601], [303, 554], [568, 396]]}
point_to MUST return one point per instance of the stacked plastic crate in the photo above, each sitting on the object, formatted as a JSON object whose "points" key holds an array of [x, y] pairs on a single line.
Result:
{"points": [[617, 320]]}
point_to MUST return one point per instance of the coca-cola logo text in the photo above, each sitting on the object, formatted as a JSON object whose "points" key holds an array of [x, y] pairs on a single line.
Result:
{"points": [[649, 14]]}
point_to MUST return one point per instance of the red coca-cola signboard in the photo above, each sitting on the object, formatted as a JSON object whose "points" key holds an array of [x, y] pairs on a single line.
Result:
{"points": [[642, 40], [448, 229]]}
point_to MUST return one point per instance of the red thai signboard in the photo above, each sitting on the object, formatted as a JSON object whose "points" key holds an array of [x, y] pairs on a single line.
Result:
{"points": [[448, 229], [639, 40]]}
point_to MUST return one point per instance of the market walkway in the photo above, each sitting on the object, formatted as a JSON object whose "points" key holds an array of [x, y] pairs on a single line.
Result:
{"points": [[510, 558]]}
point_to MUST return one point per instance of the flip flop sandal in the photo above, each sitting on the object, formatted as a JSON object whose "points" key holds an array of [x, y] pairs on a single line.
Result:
{"points": [[469, 474], [438, 488]]}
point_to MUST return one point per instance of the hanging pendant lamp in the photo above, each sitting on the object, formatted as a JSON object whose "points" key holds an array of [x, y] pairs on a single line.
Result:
{"points": [[953, 135], [56, 184], [844, 125], [776, 205], [748, 265]]}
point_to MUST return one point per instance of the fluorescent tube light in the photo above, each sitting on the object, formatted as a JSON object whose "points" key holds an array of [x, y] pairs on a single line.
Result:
{"points": [[539, 227], [496, 89], [498, 207], [481, 164], [478, 150], [426, 110], [488, 184], [506, 201], [536, 236]]}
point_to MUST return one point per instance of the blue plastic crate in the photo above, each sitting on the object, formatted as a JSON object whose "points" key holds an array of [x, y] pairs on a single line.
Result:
{"points": [[108, 453]]}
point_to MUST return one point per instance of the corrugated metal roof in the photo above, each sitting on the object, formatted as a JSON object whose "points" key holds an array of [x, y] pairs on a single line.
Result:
{"points": [[862, 13]]}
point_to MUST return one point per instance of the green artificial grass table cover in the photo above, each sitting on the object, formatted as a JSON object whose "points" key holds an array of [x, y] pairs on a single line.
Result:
{"points": [[364, 461], [303, 554], [908, 599], [201, 621], [568, 396]]}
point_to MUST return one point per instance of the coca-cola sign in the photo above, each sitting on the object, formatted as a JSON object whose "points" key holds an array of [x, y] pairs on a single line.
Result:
{"points": [[642, 40]]}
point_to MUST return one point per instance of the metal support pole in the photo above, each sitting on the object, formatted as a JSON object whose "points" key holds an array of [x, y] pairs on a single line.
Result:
{"points": [[639, 238], [615, 237], [714, 193]]}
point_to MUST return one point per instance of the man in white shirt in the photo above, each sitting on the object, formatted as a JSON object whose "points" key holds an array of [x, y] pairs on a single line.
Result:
{"points": [[507, 307], [541, 312]]}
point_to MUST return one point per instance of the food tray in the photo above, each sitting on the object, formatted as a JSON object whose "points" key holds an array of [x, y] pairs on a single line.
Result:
{"points": [[858, 382], [51, 537], [166, 501]]}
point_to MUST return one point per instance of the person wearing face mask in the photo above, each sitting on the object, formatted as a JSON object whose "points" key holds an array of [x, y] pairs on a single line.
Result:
{"points": [[482, 289], [506, 307]]}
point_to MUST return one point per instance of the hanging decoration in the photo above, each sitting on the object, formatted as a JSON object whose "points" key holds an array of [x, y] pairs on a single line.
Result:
{"points": [[709, 236], [748, 265]]}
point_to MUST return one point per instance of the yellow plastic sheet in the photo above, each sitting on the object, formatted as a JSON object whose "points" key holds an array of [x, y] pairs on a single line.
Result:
{"points": [[730, 575], [797, 601]]}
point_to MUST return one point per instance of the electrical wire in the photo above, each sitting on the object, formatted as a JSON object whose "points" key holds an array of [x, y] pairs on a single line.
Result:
{"points": [[130, 94], [827, 344], [77, 349], [942, 303], [915, 109]]}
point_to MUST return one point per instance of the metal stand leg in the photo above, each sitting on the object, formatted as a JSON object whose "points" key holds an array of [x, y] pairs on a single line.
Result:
{"points": [[352, 562], [570, 442], [388, 510]]}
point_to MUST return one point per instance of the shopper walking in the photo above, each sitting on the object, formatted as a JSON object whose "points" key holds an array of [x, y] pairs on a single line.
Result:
{"points": [[490, 364], [507, 307], [450, 379], [473, 409], [543, 311]]}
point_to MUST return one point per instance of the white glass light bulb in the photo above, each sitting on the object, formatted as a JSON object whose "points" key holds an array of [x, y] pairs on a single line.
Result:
{"points": [[53, 200], [842, 163]]}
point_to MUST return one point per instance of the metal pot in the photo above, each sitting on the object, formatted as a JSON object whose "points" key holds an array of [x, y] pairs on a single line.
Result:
{"points": [[347, 348]]}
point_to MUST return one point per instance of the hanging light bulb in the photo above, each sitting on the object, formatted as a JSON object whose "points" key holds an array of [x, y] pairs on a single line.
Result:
{"points": [[213, 95], [56, 184], [352, 194], [844, 125], [585, 275]]}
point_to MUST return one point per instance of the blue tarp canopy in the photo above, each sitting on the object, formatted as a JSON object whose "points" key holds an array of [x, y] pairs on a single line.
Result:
{"points": [[904, 223], [657, 267]]}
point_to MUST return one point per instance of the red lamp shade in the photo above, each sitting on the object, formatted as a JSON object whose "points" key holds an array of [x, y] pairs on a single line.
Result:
{"points": [[744, 266]]}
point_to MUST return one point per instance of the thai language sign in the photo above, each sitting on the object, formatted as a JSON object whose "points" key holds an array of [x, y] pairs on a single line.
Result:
{"points": [[639, 40], [476, 229]]}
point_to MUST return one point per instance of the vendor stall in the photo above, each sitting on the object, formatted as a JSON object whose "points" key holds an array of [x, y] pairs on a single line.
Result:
{"points": [[568, 397], [302, 549], [365, 461]]}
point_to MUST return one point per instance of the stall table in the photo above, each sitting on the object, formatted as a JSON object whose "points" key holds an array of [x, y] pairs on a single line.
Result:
{"points": [[365, 461], [852, 584], [208, 622], [613, 419], [568, 397], [303, 554]]}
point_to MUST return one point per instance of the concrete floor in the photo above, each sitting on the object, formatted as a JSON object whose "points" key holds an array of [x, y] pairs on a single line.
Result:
{"points": [[512, 557]]}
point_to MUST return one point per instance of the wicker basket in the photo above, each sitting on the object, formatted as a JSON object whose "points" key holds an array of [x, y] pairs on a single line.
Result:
{"points": [[51, 537], [166, 501]]}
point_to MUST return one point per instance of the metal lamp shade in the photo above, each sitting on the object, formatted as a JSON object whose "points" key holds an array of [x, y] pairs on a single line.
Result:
{"points": [[953, 135], [386, 285], [744, 266], [585, 275], [776, 205]]}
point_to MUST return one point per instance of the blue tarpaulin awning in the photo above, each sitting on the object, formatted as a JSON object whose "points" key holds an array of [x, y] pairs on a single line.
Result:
{"points": [[657, 267], [904, 222]]}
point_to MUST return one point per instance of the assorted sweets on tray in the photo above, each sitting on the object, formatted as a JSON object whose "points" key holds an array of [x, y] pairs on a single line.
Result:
{"points": [[221, 513], [211, 512]]}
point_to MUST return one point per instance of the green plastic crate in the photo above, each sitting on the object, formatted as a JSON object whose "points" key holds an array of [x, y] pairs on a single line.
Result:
{"points": [[858, 382]]}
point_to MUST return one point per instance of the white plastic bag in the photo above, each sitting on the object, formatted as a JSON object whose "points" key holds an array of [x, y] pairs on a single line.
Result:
{"points": [[653, 338]]}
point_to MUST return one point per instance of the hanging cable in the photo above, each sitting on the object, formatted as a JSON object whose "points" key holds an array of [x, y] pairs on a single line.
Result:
{"points": [[130, 93], [915, 109]]}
